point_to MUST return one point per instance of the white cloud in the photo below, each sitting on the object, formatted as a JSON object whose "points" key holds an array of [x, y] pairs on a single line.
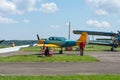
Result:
{"points": [[4, 20], [22, 6], [12, 7], [25, 5], [16, 6], [26, 21], [7, 7], [49, 8], [96, 23], [105, 7], [101, 12]]}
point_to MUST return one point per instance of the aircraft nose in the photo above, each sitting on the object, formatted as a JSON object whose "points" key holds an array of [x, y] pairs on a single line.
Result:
{"points": [[41, 41]]}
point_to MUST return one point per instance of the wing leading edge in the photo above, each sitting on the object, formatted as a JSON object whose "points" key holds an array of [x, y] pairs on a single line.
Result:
{"points": [[94, 33], [48, 45]]}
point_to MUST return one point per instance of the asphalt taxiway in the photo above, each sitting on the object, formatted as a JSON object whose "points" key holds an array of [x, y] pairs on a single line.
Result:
{"points": [[109, 64]]}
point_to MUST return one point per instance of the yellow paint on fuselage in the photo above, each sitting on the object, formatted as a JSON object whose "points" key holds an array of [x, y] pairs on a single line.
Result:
{"points": [[41, 41], [48, 45]]}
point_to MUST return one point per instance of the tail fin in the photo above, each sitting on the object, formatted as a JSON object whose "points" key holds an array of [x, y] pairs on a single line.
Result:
{"points": [[83, 38]]}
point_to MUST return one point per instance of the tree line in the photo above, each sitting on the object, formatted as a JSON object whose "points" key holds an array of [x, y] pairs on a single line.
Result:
{"points": [[18, 42]]}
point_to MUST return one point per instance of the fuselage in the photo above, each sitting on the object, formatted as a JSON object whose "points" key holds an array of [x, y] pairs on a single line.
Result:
{"points": [[61, 41]]}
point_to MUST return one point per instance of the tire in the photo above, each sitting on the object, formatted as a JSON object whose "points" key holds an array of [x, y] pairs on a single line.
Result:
{"points": [[112, 49], [81, 52], [60, 52]]}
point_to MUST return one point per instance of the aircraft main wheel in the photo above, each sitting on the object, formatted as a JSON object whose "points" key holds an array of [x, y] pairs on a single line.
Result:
{"points": [[81, 52], [60, 52], [112, 49]]}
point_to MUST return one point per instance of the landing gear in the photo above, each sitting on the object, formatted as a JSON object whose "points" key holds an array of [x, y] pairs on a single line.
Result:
{"points": [[81, 52], [61, 52], [112, 49]]}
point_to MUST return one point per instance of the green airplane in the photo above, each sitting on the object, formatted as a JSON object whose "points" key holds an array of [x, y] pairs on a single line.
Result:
{"points": [[61, 41], [2, 41], [114, 41]]}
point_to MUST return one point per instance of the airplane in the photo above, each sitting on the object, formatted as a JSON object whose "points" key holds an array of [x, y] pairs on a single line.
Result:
{"points": [[61, 42], [114, 41], [2, 41]]}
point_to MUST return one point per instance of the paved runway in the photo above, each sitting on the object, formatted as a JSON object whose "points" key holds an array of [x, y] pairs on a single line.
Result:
{"points": [[110, 64]]}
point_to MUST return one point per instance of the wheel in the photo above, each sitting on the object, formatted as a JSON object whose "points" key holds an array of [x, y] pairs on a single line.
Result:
{"points": [[112, 49], [81, 52], [60, 52]]}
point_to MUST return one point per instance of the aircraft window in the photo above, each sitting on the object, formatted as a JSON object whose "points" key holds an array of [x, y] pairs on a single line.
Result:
{"points": [[54, 38], [51, 38], [57, 38]]}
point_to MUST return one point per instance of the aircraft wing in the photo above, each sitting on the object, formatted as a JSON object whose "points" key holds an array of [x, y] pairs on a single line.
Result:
{"points": [[97, 42], [95, 33], [48, 45]]}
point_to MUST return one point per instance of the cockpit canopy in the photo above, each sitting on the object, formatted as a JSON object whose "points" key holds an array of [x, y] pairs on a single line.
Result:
{"points": [[57, 38]]}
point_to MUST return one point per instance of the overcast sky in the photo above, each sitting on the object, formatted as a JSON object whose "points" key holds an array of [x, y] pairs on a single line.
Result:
{"points": [[23, 19]]}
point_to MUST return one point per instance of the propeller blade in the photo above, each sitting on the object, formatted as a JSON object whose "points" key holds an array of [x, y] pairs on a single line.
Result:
{"points": [[38, 37]]}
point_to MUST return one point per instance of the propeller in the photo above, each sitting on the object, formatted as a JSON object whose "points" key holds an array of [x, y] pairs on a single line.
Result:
{"points": [[40, 41], [38, 37]]}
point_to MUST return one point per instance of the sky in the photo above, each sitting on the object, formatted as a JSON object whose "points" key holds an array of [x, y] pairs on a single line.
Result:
{"points": [[23, 19]]}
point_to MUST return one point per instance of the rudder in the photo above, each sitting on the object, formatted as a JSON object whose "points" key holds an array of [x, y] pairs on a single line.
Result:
{"points": [[83, 38]]}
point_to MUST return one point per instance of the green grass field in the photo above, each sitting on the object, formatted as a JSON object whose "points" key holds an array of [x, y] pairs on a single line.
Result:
{"points": [[99, 48], [59, 58], [55, 58], [73, 77], [88, 48]]}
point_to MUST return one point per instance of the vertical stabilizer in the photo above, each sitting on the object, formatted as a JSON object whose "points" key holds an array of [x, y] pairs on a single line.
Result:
{"points": [[83, 38]]}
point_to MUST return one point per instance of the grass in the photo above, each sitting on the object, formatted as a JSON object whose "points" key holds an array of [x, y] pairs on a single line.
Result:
{"points": [[99, 48], [31, 49], [88, 48], [72, 77], [55, 58]]}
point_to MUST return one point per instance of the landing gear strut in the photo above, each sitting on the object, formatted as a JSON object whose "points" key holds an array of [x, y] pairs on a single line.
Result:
{"points": [[112, 49], [61, 52], [81, 52]]}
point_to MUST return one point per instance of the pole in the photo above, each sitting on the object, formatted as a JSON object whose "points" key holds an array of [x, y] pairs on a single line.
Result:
{"points": [[69, 30]]}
